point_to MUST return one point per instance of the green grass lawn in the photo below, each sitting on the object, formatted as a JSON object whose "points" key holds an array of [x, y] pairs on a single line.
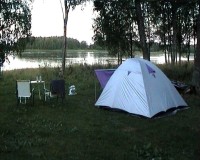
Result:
{"points": [[76, 130]]}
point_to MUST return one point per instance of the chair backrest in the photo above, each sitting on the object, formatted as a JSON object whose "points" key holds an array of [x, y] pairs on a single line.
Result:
{"points": [[23, 88], [58, 87]]}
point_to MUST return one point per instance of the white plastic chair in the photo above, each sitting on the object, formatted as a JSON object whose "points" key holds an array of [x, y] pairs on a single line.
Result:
{"points": [[24, 91], [57, 89]]}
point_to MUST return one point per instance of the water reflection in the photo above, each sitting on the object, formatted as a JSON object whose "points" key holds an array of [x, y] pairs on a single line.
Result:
{"points": [[73, 58], [89, 58]]}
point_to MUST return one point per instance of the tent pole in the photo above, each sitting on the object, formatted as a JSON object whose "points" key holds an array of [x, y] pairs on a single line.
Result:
{"points": [[95, 92]]}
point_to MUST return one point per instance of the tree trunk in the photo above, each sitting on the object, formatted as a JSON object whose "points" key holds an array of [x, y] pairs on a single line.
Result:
{"points": [[131, 41], [188, 46], [141, 28], [174, 41], [196, 73], [65, 38]]}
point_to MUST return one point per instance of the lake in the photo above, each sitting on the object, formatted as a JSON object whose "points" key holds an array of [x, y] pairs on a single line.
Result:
{"points": [[82, 57]]}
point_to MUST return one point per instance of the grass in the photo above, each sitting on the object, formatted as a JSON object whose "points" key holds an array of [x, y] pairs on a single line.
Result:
{"points": [[76, 129]]}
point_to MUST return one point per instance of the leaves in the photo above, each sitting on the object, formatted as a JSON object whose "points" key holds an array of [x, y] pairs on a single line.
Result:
{"points": [[168, 22], [15, 24]]}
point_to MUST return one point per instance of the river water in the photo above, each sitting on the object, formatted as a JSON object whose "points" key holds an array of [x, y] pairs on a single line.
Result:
{"points": [[90, 58]]}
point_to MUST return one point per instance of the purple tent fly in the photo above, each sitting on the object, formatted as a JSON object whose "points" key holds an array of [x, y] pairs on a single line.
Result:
{"points": [[151, 70], [103, 75]]}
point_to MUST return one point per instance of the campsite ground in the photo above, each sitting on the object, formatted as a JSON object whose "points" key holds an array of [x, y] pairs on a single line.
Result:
{"points": [[76, 129]]}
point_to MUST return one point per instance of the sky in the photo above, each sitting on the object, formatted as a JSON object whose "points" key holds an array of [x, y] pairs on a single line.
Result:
{"points": [[47, 20]]}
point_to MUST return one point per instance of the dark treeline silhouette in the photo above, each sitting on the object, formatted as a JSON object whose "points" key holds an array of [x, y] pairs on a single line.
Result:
{"points": [[53, 43]]}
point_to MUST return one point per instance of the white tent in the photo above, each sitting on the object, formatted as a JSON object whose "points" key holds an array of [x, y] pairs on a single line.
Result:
{"points": [[139, 87]]}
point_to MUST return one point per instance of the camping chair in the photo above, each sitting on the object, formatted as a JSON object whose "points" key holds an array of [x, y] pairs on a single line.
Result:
{"points": [[24, 91], [57, 89]]}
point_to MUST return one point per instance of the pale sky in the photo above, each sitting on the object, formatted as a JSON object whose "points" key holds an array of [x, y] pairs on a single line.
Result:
{"points": [[47, 20]]}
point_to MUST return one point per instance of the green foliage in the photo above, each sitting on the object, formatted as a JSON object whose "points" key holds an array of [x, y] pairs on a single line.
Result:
{"points": [[15, 25], [73, 3], [180, 72], [54, 43], [113, 25], [170, 23]]}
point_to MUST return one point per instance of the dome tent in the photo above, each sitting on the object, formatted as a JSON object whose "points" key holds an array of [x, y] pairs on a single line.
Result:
{"points": [[138, 86]]}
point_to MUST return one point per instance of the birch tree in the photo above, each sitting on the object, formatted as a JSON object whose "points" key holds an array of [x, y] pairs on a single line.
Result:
{"points": [[15, 25], [68, 4]]}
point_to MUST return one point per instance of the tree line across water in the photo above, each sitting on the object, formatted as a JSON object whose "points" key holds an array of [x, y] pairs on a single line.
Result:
{"points": [[56, 42]]}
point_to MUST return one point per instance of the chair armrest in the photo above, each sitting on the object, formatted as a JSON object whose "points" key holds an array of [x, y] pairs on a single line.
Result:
{"points": [[46, 90], [32, 90]]}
